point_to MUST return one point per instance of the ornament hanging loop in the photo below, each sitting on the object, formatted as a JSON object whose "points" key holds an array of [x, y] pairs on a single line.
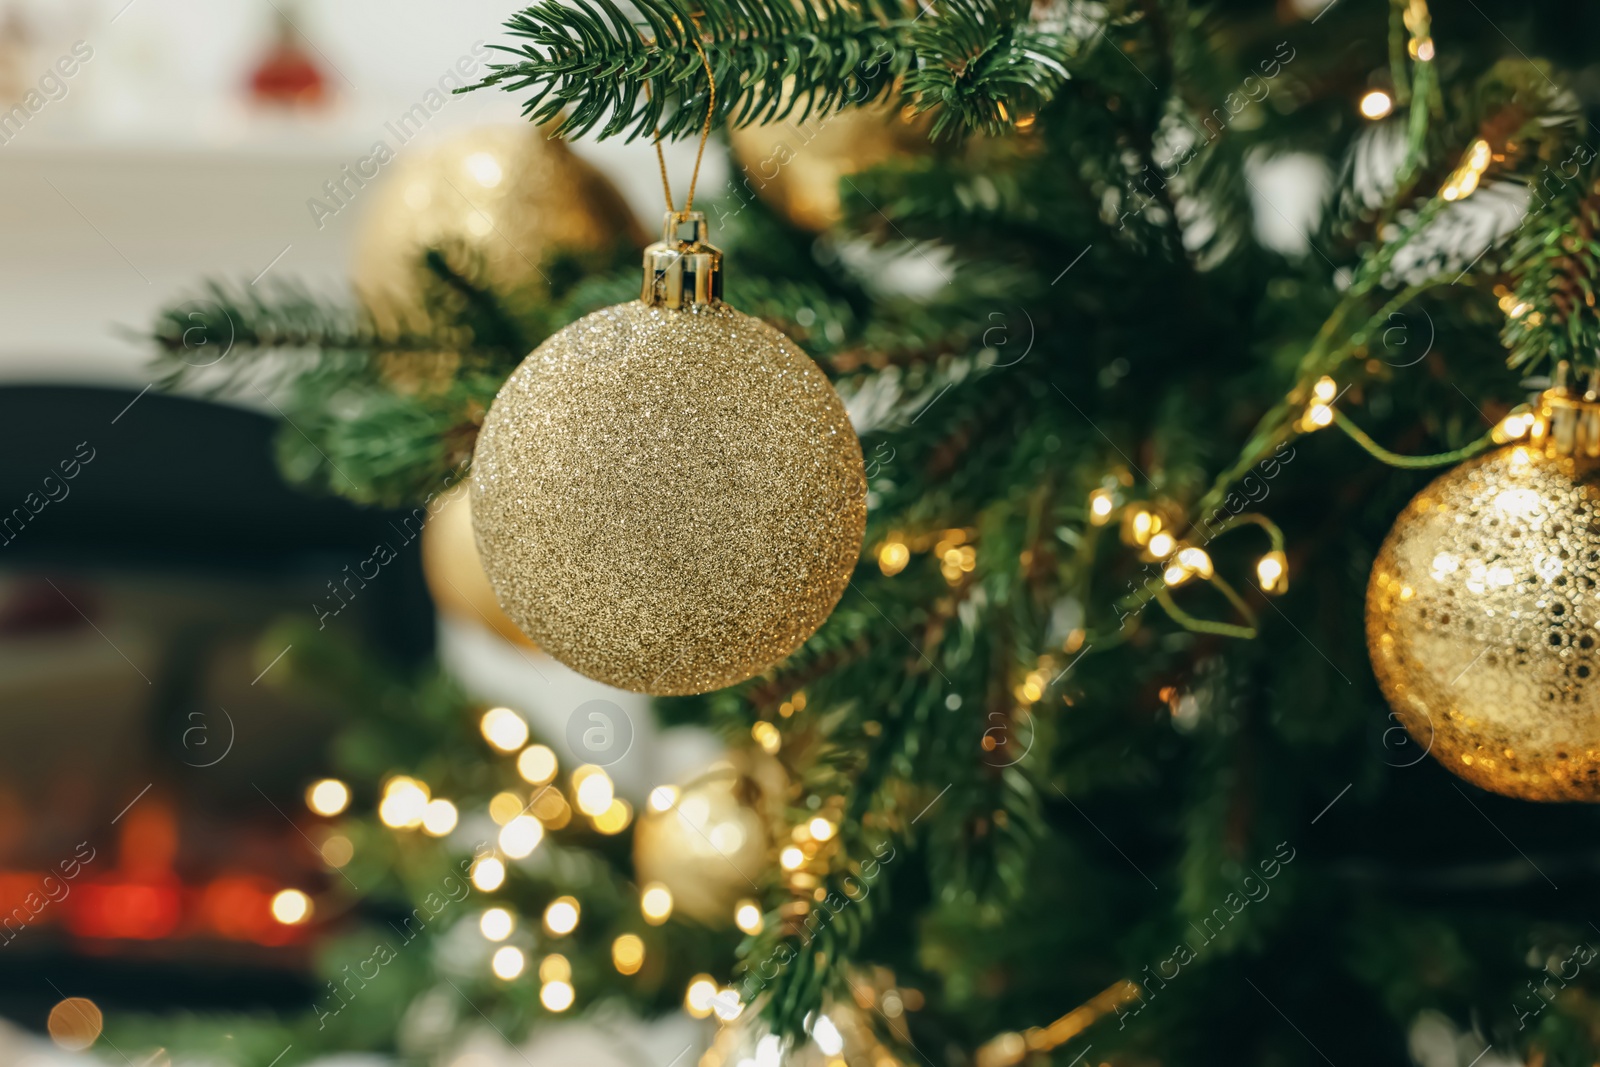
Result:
{"points": [[682, 269], [705, 129]]}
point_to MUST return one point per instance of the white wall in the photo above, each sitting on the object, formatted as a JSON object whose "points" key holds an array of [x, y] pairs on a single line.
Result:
{"points": [[153, 172]]}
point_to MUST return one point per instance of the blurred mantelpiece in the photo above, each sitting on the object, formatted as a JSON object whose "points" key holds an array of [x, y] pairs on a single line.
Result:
{"points": [[139, 164]]}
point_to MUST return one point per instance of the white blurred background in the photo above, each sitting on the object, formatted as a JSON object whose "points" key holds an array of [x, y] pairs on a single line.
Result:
{"points": [[154, 167]]}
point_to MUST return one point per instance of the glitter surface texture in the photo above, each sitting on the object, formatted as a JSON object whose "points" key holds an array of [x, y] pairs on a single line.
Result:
{"points": [[668, 501], [1482, 624]]}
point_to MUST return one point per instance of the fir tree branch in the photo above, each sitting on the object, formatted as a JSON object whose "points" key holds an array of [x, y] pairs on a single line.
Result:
{"points": [[230, 325], [980, 64], [591, 61], [1554, 261], [234, 327]]}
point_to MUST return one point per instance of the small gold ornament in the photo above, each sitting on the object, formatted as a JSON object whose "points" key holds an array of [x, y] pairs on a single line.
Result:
{"points": [[1482, 613], [845, 1033], [707, 842], [495, 201], [668, 494], [455, 577], [796, 167]]}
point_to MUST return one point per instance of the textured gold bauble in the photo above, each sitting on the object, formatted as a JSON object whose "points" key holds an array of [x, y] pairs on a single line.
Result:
{"points": [[708, 846], [1484, 627], [668, 501], [455, 576], [796, 167], [495, 201]]}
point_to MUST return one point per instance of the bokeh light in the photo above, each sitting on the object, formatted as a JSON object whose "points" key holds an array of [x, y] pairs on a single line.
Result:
{"points": [[614, 819], [337, 850], [655, 903], [328, 796], [697, 998], [496, 924], [556, 996], [488, 874], [537, 764], [439, 818], [627, 953], [405, 800], [291, 907], [504, 807], [508, 963], [75, 1023], [592, 790], [561, 917], [504, 729], [520, 836], [1376, 104]]}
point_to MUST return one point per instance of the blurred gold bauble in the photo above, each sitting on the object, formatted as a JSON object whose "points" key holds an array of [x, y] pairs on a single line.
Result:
{"points": [[669, 500], [709, 846], [496, 201], [843, 1034], [455, 577], [1482, 614], [796, 167]]}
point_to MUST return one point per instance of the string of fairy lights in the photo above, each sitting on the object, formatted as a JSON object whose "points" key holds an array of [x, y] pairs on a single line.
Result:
{"points": [[1150, 525], [407, 804]]}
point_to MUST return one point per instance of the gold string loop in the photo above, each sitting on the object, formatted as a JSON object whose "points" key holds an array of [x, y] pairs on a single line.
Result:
{"points": [[705, 131]]}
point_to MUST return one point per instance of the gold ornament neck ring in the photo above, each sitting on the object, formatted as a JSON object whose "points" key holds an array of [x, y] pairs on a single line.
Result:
{"points": [[1567, 422], [682, 270]]}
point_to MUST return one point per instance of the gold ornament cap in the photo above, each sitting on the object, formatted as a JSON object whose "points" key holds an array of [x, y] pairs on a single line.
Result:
{"points": [[682, 269], [1568, 422]]}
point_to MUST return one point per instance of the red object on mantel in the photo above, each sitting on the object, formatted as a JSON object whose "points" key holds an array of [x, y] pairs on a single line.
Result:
{"points": [[142, 898], [232, 907], [239, 907], [287, 76], [142, 911]]}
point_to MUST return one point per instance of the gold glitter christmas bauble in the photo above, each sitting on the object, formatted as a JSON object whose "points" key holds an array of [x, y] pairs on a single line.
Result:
{"points": [[495, 201], [796, 167], [706, 842], [455, 576], [845, 1033], [1484, 627], [669, 500]]}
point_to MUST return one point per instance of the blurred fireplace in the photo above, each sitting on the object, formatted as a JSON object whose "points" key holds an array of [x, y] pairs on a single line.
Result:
{"points": [[149, 771]]}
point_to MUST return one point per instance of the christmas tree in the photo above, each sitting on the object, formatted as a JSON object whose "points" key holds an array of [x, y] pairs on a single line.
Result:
{"points": [[1148, 342]]}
